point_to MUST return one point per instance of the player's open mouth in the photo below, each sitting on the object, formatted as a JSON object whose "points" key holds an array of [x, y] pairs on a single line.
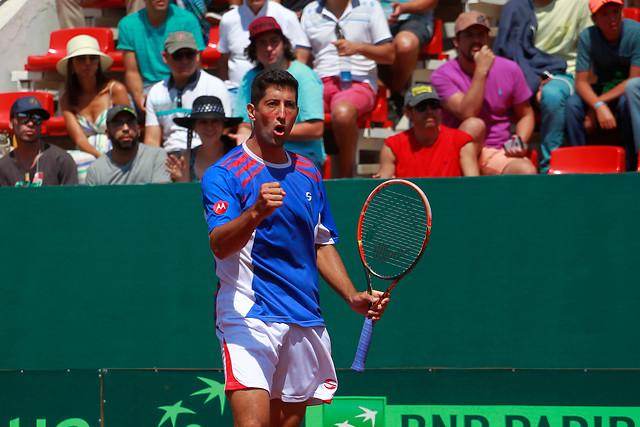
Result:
{"points": [[279, 130]]}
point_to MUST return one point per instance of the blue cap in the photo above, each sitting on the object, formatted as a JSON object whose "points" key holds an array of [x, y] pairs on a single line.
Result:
{"points": [[28, 104]]}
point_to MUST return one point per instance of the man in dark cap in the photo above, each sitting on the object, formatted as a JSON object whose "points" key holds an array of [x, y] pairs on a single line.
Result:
{"points": [[34, 163], [128, 162]]}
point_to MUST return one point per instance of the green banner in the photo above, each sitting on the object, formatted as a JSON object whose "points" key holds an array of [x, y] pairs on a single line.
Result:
{"points": [[374, 412]]}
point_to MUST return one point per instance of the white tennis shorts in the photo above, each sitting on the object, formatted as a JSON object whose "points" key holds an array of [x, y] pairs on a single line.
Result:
{"points": [[293, 363]]}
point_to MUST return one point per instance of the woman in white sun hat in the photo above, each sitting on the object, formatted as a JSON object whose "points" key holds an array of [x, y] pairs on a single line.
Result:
{"points": [[87, 97]]}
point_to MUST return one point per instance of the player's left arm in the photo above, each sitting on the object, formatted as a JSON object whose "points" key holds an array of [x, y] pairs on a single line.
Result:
{"points": [[332, 270]]}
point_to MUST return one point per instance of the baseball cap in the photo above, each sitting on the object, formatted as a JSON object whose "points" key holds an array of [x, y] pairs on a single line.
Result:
{"points": [[262, 25], [29, 104], [207, 107], [180, 40], [469, 19], [117, 109], [595, 5], [418, 93]]}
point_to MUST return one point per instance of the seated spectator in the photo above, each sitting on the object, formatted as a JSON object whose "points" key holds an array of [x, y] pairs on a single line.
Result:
{"points": [[34, 163], [199, 8], [71, 13], [174, 96], [348, 39], [427, 149], [87, 97], [611, 49], [141, 37], [541, 36], [234, 38], [207, 120], [478, 89], [271, 49], [128, 162], [411, 24]]}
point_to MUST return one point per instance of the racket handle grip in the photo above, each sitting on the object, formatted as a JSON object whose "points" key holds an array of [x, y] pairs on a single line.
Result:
{"points": [[363, 346]]}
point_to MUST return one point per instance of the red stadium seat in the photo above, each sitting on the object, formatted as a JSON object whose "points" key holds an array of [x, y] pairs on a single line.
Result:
{"points": [[8, 98], [434, 48], [103, 4], [631, 13], [58, 47], [587, 159], [210, 55]]}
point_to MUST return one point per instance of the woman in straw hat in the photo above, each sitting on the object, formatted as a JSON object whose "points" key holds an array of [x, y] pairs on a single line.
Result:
{"points": [[87, 97], [208, 120]]}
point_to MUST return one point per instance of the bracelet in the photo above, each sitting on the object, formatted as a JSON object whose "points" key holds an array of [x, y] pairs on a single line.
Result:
{"points": [[599, 104]]}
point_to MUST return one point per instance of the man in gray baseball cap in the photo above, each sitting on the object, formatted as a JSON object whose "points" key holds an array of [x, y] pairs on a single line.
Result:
{"points": [[173, 97], [427, 149]]}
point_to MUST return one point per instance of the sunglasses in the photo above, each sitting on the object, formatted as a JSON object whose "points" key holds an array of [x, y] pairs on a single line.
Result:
{"points": [[84, 58], [119, 123], [189, 54], [434, 104], [24, 118], [339, 33]]}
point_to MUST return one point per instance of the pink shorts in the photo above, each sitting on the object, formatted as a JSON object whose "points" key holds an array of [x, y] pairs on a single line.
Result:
{"points": [[360, 95], [493, 161], [293, 363]]}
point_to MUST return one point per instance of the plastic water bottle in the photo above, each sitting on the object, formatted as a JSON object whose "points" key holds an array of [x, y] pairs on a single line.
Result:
{"points": [[345, 72]]}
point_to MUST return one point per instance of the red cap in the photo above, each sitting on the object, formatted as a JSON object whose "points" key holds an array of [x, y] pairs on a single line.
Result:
{"points": [[595, 5], [262, 25]]}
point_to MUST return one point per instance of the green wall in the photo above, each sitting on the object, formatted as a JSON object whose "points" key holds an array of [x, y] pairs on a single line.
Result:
{"points": [[523, 272]]}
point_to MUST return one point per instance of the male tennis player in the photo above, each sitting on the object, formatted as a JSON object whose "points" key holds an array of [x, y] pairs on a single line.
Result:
{"points": [[271, 232]]}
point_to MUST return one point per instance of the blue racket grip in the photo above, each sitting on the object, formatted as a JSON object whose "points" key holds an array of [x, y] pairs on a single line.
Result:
{"points": [[363, 346]]}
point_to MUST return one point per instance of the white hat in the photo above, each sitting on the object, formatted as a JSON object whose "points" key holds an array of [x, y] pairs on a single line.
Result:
{"points": [[83, 45]]}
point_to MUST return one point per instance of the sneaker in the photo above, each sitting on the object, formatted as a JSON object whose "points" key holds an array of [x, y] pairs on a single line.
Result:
{"points": [[395, 107]]}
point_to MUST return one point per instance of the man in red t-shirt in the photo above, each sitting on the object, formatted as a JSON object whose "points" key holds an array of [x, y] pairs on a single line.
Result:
{"points": [[427, 149]]}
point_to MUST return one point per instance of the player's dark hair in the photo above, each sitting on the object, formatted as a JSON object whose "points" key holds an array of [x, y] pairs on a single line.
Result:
{"points": [[250, 51], [271, 78]]}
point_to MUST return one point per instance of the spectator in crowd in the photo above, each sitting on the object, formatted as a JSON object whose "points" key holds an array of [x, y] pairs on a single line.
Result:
{"points": [[348, 39], [208, 120], [427, 149], [411, 24], [478, 89], [272, 234], [611, 51], [141, 37], [541, 36], [199, 8], [71, 14], [87, 97], [234, 38], [34, 163], [174, 96], [271, 49], [128, 162]]}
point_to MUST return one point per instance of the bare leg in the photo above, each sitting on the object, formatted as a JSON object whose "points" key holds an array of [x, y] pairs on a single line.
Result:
{"points": [[344, 120], [407, 47], [519, 166], [287, 414], [250, 407]]}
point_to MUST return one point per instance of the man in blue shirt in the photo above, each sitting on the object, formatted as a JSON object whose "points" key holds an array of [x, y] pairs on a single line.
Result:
{"points": [[611, 49], [141, 36], [271, 232]]}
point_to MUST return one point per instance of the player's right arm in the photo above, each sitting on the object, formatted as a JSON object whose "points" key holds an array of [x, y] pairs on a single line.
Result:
{"points": [[233, 235]]}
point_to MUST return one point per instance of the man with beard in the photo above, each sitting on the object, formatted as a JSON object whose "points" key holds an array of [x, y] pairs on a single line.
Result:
{"points": [[128, 162], [478, 90], [272, 232], [34, 163], [427, 149]]}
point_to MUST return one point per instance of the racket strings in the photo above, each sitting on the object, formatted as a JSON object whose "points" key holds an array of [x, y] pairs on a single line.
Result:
{"points": [[394, 228]]}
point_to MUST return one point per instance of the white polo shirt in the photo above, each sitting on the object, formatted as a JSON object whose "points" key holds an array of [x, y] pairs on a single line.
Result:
{"points": [[234, 35], [363, 21]]}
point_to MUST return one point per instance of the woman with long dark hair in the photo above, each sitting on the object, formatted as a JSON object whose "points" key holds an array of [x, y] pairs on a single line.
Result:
{"points": [[87, 97]]}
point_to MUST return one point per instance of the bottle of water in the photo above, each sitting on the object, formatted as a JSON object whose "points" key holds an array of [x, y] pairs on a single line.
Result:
{"points": [[345, 72]]}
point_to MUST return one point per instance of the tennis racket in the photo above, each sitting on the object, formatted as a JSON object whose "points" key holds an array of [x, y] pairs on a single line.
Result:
{"points": [[393, 232]]}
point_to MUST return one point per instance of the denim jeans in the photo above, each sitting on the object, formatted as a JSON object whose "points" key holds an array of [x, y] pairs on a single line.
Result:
{"points": [[552, 109]]}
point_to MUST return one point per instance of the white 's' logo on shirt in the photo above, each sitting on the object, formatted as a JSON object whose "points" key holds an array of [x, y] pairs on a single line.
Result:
{"points": [[308, 196]]}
